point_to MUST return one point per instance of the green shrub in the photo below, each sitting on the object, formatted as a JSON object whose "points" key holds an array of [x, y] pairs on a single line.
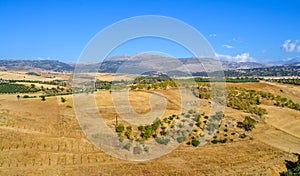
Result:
{"points": [[63, 99], [181, 139], [146, 149], [162, 140], [43, 97], [215, 141], [127, 146], [249, 123], [120, 128], [243, 135], [224, 140], [128, 132], [195, 142], [26, 96], [137, 149]]}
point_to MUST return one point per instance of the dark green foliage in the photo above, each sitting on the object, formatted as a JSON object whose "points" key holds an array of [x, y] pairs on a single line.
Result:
{"points": [[223, 140], [293, 168], [63, 99], [26, 96], [195, 142], [147, 132], [16, 88], [99, 84], [243, 135], [163, 133], [33, 74], [246, 100], [147, 82], [197, 118], [43, 97], [249, 123], [232, 80], [54, 82], [128, 132], [293, 81], [120, 128], [215, 141], [156, 124]]}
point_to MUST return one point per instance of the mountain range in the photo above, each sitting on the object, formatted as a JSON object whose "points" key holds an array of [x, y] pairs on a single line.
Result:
{"points": [[143, 62]]}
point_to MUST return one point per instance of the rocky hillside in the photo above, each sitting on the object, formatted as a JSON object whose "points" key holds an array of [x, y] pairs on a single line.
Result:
{"points": [[27, 65]]}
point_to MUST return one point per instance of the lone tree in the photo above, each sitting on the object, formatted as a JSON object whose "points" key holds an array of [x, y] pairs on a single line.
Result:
{"points": [[63, 99], [18, 97], [249, 123], [43, 97]]}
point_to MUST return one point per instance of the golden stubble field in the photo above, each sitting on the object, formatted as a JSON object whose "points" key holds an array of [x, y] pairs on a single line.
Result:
{"points": [[44, 138]]}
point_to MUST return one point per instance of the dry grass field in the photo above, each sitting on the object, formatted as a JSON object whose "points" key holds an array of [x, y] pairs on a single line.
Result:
{"points": [[44, 138]]}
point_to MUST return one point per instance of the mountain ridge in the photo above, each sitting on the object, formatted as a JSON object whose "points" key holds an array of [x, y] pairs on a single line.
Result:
{"points": [[147, 62]]}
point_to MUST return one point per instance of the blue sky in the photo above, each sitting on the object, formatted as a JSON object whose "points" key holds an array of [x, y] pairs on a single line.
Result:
{"points": [[240, 30]]}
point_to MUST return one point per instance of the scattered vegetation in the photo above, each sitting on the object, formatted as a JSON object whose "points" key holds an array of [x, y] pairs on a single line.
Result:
{"points": [[16, 88], [293, 81], [227, 79], [249, 123], [293, 168], [33, 74]]}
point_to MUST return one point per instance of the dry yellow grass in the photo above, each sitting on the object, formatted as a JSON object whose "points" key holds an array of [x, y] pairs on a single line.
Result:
{"points": [[45, 76], [44, 138]]}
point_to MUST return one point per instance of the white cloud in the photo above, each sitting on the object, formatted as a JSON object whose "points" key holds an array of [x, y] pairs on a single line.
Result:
{"points": [[288, 59], [298, 48], [228, 46], [244, 57], [290, 46], [212, 35]]}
